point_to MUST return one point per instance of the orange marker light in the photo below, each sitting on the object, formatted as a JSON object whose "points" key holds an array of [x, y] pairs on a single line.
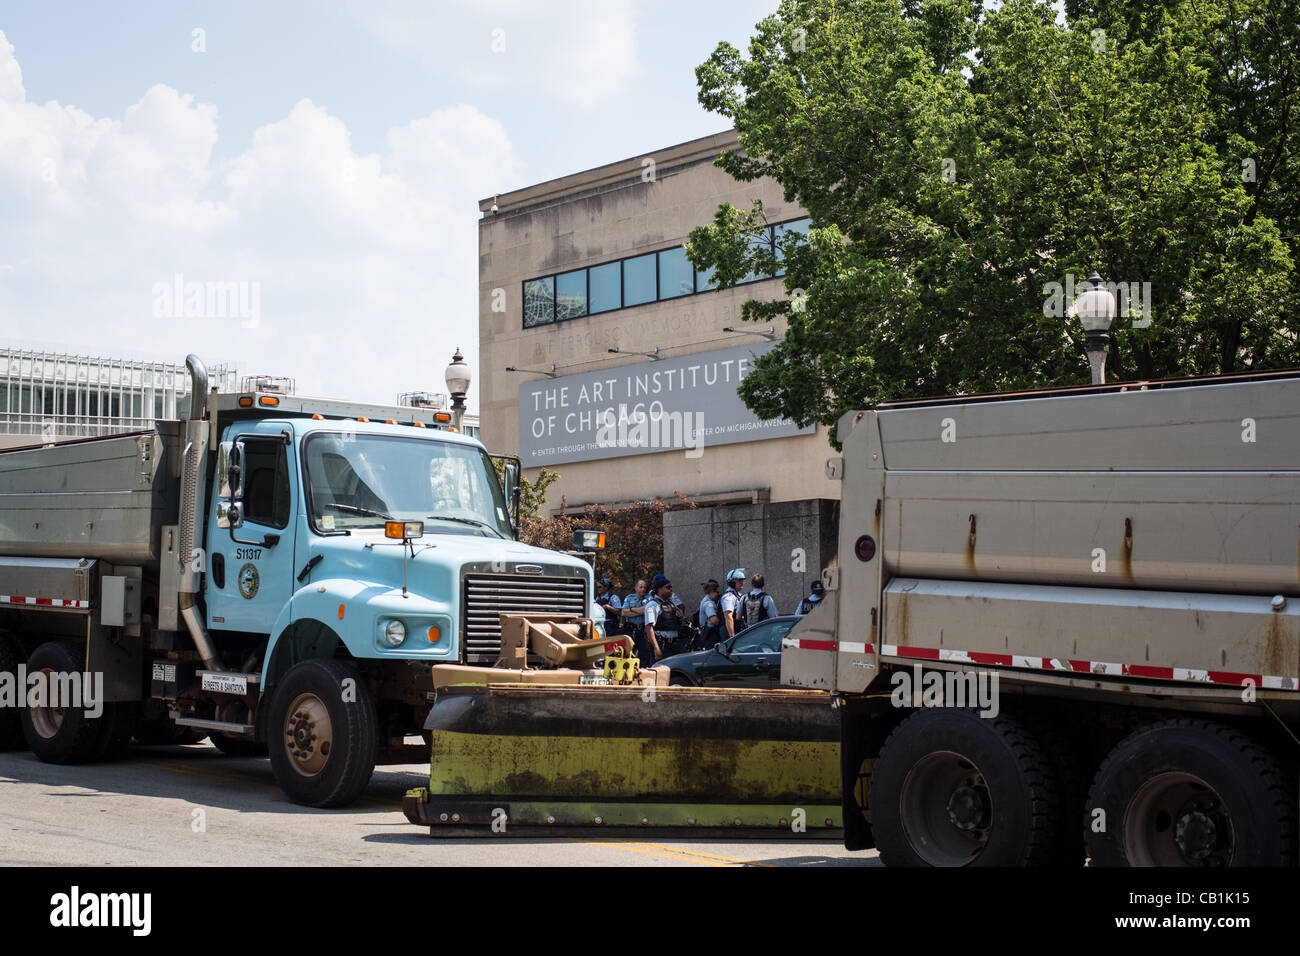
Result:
{"points": [[362, 418], [441, 417], [245, 401], [317, 417], [435, 635], [340, 612], [418, 424], [270, 401], [394, 529]]}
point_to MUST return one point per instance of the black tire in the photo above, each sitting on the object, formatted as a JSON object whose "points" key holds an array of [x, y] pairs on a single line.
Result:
{"points": [[238, 746], [1191, 792], [115, 734], [70, 737], [11, 726], [1068, 766], [308, 771], [680, 680], [951, 788]]}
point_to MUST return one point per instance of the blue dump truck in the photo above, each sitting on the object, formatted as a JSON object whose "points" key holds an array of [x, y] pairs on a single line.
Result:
{"points": [[276, 572]]}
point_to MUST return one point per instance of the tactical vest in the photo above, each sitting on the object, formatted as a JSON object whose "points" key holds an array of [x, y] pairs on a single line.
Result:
{"points": [[755, 611]]}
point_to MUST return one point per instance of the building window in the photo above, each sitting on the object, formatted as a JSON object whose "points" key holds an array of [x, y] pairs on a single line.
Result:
{"points": [[539, 301], [639, 280], [571, 295], [606, 284], [676, 274], [653, 277]]}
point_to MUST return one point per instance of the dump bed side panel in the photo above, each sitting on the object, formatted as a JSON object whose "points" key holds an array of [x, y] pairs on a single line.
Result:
{"points": [[1140, 489], [106, 497]]}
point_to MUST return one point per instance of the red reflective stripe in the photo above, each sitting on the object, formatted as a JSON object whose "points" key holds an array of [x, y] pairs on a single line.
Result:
{"points": [[1227, 677], [807, 645], [1083, 666], [45, 601], [925, 653], [1146, 670]]}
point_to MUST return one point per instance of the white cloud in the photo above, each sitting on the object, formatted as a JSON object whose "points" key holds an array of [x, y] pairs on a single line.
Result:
{"points": [[366, 264], [582, 52]]}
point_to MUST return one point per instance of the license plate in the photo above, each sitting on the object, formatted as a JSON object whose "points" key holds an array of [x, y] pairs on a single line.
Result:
{"points": [[584, 679]]}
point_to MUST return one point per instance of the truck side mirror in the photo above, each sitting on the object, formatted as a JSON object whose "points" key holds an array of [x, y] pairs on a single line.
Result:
{"points": [[230, 476], [513, 489]]}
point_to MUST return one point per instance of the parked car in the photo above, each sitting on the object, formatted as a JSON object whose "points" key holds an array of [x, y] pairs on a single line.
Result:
{"points": [[750, 659]]}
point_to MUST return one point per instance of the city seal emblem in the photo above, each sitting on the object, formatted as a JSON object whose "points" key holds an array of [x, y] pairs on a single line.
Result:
{"points": [[248, 581]]}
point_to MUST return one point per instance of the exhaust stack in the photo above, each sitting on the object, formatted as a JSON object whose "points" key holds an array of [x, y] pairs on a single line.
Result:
{"points": [[192, 472]]}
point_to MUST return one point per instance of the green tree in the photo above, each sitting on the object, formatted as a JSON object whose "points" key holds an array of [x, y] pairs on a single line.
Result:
{"points": [[956, 161], [532, 494]]}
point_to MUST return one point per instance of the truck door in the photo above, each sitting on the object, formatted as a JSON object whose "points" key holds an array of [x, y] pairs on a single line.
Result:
{"points": [[250, 568]]}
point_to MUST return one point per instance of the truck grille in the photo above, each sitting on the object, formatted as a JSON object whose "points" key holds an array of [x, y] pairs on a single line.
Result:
{"points": [[487, 596]]}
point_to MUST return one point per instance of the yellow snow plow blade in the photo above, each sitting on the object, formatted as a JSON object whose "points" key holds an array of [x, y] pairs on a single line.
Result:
{"points": [[554, 755]]}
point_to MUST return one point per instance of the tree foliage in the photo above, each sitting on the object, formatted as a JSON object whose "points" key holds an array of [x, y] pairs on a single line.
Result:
{"points": [[955, 160], [634, 537]]}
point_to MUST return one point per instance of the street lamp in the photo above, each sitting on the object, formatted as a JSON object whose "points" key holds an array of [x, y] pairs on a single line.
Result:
{"points": [[457, 376], [1096, 311]]}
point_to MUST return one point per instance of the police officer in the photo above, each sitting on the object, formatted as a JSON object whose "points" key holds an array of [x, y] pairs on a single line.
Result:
{"points": [[607, 599], [732, 604], [812, 600], [663, 620], [633, 612], [758, 605], [709, 616]]}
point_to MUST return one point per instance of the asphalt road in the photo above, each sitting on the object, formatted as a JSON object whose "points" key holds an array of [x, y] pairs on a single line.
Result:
{"points": [[192, 805]]}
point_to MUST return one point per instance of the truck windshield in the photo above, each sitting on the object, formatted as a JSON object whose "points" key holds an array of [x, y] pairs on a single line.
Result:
{"points": [[356, 481]]}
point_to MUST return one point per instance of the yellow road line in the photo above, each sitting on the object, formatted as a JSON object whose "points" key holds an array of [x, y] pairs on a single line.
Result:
{"points": [[707, 856], [634, 849]]}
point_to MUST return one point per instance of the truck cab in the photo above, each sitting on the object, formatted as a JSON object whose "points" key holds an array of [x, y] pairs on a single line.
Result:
{"points": [[275, 571]]}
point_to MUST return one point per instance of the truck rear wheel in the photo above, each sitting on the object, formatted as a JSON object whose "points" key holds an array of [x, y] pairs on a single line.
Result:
{"points": [[115, 733], [951, 788], [60, 734], [1191, 792], [11, 728], [323, 734]]}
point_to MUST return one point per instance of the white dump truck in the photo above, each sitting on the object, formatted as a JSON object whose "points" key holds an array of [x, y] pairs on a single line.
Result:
{"points": [[1066, 625], [276, 572]]}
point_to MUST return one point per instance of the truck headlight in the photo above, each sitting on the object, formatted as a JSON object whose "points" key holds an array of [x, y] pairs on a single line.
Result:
{"points": [[393, 633]]}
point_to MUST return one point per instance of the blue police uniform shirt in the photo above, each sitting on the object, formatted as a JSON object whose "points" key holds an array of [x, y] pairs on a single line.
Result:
{"points": [[708, 608]]}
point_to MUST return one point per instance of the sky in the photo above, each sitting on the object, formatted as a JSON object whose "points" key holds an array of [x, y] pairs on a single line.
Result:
{"points": [[293, 187]]}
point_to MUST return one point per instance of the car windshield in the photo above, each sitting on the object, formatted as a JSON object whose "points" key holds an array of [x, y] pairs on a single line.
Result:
{"points": [[358, 481], [761, 638]]}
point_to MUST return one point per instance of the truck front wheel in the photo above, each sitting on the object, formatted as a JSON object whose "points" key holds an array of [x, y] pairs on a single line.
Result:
{"points": [[56, 730], [951, 788], [323, 734], [1189, 792]]}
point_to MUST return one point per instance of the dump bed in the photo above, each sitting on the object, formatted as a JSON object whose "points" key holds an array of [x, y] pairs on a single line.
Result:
{"points": [[1192, 488], [1142, 532], [101, 498]]}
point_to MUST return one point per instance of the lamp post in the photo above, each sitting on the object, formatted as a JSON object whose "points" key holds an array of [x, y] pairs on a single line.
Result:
{"points": [[1096, 310], [457, 376]]}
